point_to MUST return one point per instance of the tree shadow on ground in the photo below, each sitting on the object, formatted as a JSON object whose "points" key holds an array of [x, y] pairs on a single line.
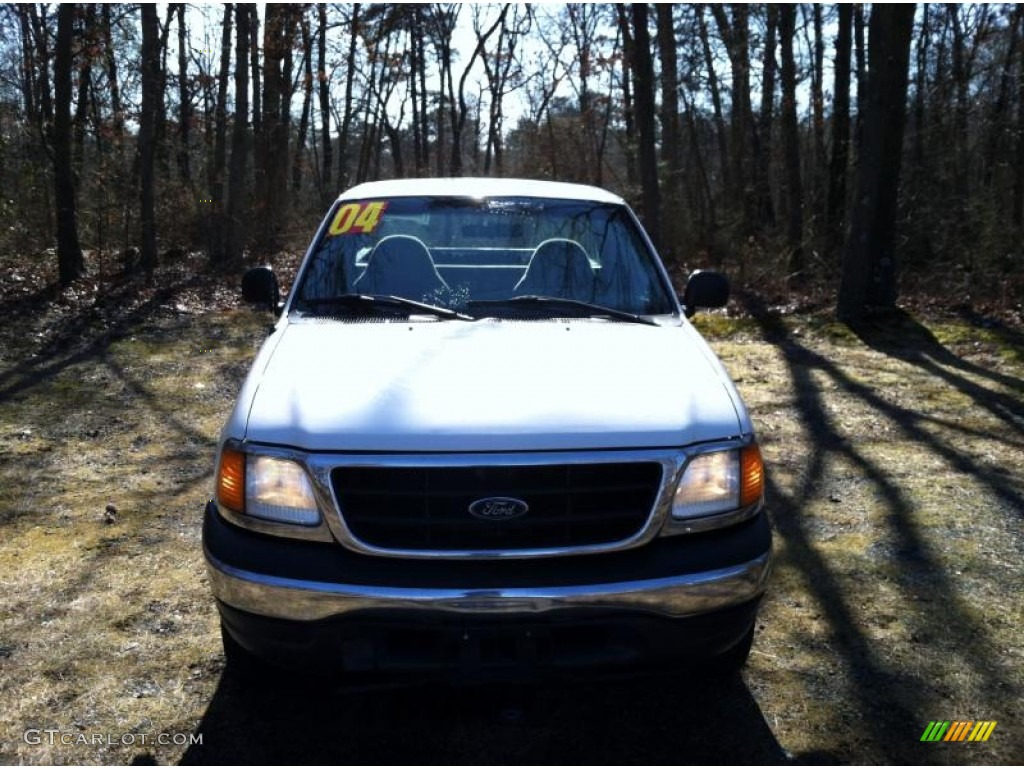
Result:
{"points": [[60, 327], [87, 332], [895, 700], [900, 336], [637, 720]]}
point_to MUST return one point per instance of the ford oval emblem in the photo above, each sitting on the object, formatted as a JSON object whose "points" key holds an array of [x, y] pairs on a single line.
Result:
{"points": [[498, 508]]}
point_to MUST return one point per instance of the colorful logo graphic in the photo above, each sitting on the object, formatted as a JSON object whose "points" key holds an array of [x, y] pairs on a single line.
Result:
{"points": [[958, 730]]}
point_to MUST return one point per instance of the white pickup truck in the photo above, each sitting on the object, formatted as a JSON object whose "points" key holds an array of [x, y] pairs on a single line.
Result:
{"points": [[484, 438]]}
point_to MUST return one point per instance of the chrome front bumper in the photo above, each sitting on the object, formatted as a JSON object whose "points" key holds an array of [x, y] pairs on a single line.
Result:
{"points": [[674, 597]]}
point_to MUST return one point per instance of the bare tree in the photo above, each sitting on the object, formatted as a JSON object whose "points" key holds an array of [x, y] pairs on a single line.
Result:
{"points": [[869, 259], [324, 97], [671, 140], [240, 136], [504, 76], [1018, 185], [643, 73], [840, 129], [791, 142], [626, 84], [112, 78], [763, 170], [459, 114], [184, 98], [818, 164], [70, 261], [355, 21], [147, 136], [298, 158], [716, 100], [272, 136], [735, 34], [87, 33], [216, 227]]}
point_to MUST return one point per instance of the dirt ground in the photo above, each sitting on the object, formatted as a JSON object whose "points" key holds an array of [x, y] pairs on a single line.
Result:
{"points": [[895, 490]]}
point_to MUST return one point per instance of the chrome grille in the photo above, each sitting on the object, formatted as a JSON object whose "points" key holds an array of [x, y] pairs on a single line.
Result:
{"points": [[427, 508]]}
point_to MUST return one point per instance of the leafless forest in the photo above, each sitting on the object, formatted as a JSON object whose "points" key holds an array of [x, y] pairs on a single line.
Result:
{"points": [[858, 153]]}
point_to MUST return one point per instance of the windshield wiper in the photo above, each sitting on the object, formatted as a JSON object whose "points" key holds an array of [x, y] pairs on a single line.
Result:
{"points": [[555, 304], [357, 301]]}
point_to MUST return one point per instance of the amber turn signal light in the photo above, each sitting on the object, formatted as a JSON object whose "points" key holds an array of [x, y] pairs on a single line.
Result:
{"points": [[751, 476], [231, 480]]}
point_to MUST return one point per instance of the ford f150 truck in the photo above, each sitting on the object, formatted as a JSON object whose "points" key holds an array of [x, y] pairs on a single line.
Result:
{"points": [[483, 437]]}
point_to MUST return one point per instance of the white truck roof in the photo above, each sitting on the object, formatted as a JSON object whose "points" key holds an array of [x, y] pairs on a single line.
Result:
{"points": [[478, 187]]}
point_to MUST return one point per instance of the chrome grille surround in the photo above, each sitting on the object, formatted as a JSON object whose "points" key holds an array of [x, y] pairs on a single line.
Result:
{"points": [[319, 465]]}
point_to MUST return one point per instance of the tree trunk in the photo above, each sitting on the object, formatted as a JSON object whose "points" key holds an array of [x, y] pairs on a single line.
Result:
{"points": [[763, 171], [216, 226], [920, 93], [735, 35], [88, 32], [28, 66], [840, 130], [707, 215], [147, 136], [115, 90], [869, 260], [41, 35], [961, 83], [184, 100], [627, 96], [160, 123], [862, 70], [791, 143], [1001, 126], [424, 115], [818, 116], [324, 94], [459, 124], [237, 186], [414, 90], [671, 142], [1018, 184], [643, 72], [254, 63], [70, 263], [346, 119], [272, 138], [307, 97], [716, 101]]}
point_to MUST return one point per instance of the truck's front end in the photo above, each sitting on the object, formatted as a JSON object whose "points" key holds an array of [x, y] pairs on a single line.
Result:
{"points": [[483, 438]]}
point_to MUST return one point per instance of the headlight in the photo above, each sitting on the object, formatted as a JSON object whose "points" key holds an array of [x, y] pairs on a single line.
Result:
{"points": [[719, 482], [279, 490], [265, 487]]}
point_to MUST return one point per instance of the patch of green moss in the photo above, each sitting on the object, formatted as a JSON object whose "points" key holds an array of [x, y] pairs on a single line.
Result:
{"points": [[720, 327]]}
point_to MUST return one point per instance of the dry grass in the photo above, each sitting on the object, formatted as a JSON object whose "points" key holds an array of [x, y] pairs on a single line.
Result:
{"points": [[897, 497], [106, 627], [895, 490]]}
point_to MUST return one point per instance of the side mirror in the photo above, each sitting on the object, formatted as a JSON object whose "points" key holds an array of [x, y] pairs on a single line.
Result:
{"points": [[706, 289], [259, 286]]}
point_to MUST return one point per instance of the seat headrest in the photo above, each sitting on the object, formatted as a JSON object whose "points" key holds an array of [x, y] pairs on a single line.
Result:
{"points": [[559, 268], [400, 265]]}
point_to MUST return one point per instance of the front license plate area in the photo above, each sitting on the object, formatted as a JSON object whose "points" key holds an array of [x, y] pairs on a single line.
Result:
{"points": [[484, 649]]}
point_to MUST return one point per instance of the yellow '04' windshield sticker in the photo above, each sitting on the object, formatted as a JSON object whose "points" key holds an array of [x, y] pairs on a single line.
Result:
{"points": [[357, 218]]}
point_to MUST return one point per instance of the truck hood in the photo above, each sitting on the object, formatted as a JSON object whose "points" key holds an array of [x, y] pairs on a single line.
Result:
{"points": [[330, 385]]}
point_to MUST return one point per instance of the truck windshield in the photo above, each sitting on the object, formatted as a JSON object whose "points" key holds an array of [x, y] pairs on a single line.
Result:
{"points": [[455, 252]]}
